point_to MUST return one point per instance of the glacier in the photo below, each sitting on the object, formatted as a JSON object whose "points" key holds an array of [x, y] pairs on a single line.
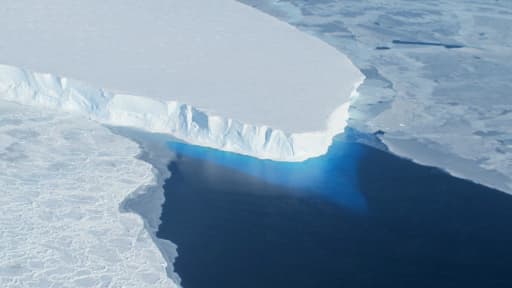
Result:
{"points": [[218, 73], [213, 73]]}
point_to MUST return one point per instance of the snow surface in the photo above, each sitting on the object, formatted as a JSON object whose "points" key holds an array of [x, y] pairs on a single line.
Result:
{"points": [[225, 59], [450, 108], [62, 181]]}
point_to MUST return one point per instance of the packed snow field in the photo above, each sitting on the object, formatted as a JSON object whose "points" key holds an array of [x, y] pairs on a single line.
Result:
{"points": [[250, 77], [63, 179], [438, 76]]}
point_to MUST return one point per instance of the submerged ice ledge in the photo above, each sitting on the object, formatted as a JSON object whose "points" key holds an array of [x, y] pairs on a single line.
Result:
{"points": [[178, 119]]}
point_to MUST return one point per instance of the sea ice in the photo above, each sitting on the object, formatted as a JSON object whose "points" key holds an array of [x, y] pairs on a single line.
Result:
{"points": [[438, 76], [62, 181]]}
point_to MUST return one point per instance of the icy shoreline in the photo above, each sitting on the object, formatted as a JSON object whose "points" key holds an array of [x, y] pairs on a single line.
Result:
{"points": [[424, 153], [177, 119], [147, 201]]}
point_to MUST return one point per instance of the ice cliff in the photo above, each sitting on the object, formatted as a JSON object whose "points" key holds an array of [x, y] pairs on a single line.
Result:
{"points": [[180, 120]]}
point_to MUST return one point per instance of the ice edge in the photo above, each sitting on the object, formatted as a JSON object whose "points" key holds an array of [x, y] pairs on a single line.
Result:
{"points": [[177, 119]]}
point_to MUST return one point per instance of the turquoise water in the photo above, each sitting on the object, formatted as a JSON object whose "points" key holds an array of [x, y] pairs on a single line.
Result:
{"points": [[356, 217], [312, 177]]}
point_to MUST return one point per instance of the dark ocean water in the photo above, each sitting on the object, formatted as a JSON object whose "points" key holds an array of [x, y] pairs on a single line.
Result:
{"points": [[356, 217]]}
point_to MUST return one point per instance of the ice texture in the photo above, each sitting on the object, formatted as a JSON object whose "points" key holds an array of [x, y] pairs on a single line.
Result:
{"points": [[438, 76], [62, 181], [215, 73]]}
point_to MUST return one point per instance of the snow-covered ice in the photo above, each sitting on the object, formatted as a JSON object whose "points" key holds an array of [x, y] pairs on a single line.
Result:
{"points": [[62, 181], [450, 108], [227, 75]]}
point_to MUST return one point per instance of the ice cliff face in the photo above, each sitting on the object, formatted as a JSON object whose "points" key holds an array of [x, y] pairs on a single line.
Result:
{"points": [[178, 119]]}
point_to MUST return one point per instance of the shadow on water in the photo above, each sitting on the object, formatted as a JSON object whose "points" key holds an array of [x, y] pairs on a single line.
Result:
{"points": [[238, 223], [313, 177]]}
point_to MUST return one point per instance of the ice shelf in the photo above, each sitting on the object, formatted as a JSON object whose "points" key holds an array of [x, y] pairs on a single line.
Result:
{"points": [[214, 73]]}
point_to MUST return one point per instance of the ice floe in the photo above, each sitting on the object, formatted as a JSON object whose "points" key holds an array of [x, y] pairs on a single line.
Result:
{"points": [[62, 181]]}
